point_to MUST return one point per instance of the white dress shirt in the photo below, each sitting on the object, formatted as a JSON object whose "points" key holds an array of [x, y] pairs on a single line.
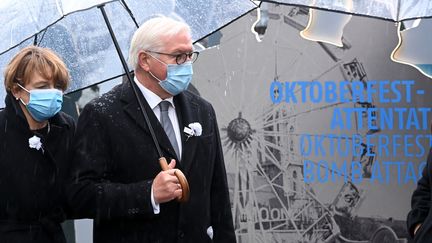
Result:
{"points": [[153, 100]]}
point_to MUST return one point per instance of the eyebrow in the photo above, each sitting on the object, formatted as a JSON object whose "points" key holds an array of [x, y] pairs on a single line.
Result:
{"points": [[182, 50], [43, 81]]}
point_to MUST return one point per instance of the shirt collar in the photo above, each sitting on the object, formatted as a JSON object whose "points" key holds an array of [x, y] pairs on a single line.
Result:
{"points": [[152, 99]]}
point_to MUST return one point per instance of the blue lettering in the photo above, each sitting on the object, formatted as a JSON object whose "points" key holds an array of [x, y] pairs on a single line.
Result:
{"points": [[337, 121], [376, 173], [322, 177], [315, 95], [308, 171], [289, 92], [304, 149], [410, 173], [342, 171], [276, 88], [356, 172], [330, 94]]}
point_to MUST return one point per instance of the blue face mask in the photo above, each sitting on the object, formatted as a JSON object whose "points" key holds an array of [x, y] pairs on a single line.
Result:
{"points": [[43, 103], [178, 77]]}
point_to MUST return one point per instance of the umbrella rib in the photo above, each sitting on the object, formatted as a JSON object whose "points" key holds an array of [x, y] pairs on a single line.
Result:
{"points": [[223, 26], [130, 12], [398, 10], [96, 83], [35, 39]]}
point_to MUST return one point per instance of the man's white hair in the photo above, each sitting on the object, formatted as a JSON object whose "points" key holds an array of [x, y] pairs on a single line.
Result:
{"points": [[148, 36]]}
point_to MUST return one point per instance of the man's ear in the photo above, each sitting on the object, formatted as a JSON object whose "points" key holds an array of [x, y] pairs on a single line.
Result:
{"points": [[143, 61]]}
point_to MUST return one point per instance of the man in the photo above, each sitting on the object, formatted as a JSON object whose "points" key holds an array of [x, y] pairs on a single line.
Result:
{"points": [[117, 179], [419, 221]]}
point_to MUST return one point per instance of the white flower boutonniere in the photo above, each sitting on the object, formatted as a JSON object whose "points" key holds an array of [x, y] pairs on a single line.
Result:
{"points": [[35, 142], [210, 232], [193, 129]]}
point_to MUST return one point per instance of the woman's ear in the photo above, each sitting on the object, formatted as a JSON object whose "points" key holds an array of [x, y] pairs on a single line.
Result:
{"points": [[143, 61], [15, 90]]}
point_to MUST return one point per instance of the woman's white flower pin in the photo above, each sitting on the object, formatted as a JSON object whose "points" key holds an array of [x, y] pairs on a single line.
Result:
{"points": [[193, 129], [35, 142]]}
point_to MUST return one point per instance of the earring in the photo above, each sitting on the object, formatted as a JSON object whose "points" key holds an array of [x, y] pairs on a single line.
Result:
{"points": [[16, 98]]}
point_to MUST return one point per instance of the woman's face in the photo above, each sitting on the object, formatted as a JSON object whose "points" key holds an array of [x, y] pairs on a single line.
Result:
{"points": [[36, 82]]}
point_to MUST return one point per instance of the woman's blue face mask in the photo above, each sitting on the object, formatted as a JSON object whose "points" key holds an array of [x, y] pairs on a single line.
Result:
{"points": [[43, 103], [177, 79]]}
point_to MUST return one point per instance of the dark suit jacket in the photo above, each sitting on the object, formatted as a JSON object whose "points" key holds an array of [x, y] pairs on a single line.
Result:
{"points": [[421, 205], [115, 162]]}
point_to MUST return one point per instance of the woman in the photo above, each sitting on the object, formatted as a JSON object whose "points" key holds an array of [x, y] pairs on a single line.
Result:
{"points": [[34, 143]]}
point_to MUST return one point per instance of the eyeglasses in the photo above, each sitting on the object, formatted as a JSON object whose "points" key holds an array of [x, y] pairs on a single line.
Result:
{"points": [[182, 57]]}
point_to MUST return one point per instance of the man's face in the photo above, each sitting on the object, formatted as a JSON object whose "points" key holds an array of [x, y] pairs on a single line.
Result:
{"points": [[177, 44]]}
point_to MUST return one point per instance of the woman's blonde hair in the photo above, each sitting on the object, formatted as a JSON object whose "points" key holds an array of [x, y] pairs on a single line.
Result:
{"points": [[32, 59]]}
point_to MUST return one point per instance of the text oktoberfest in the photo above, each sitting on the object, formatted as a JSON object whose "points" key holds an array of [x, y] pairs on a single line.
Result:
{"points": [[376, 132]]}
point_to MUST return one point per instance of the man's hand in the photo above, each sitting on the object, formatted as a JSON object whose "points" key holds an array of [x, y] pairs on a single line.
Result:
{"points": [[166, 186]]}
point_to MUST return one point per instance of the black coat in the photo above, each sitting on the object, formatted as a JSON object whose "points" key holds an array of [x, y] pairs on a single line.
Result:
{"points": [[420, 206], [32, 199], [115, 162]]}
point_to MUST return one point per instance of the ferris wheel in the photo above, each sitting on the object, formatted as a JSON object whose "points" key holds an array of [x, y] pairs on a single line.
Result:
{"points": [[270, 200]]}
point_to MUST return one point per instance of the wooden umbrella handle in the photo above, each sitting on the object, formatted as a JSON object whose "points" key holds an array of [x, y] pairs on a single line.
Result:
{"points": [[181, 178]]}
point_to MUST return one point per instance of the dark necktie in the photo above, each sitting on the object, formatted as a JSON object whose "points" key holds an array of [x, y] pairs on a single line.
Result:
{"points": [[167, 125]]}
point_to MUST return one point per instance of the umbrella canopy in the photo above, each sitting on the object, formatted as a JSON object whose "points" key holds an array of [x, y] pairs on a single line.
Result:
{"points": [[327, 20], [26, 18], [395, 10], [77, 31]]}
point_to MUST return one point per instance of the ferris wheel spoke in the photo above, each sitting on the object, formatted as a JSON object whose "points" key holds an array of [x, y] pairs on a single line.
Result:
{"points": [[262, 187], [275, 122], [295, 160], [303, 209], [323, 216], [253, 152], [248, 205], [271, 110], [276, 176], [228, 147], [268, 144], [312, 110], [286, 119], [278, 197], [311, 203], [277, 185], [279, 226], [273, 134], [255, 201], [337, 64], [310, 193], [269, 155]]}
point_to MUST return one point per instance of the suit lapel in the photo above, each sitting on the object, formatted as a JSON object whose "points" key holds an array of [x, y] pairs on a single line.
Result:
{"points": [[187, 112], [132, 109]]}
